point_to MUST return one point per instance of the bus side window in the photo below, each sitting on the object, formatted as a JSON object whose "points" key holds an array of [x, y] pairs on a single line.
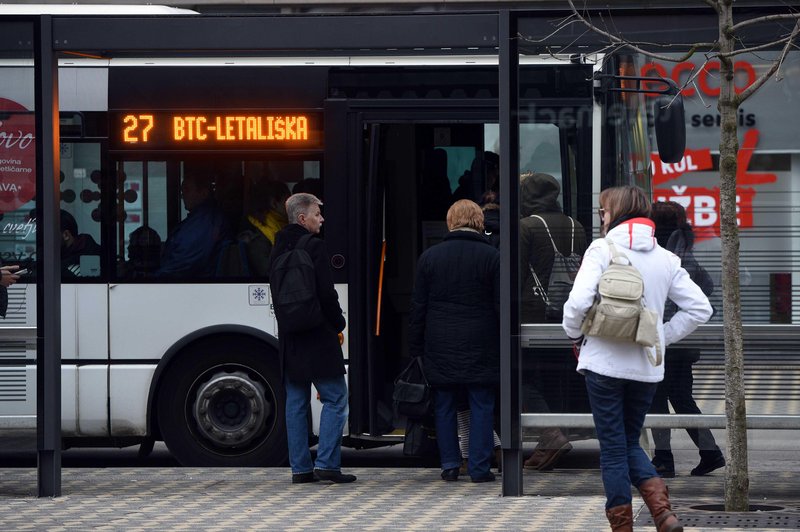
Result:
{"points": [[81, 181]]}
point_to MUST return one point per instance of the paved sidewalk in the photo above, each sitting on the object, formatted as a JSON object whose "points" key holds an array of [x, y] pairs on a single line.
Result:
{"points": [[381, 499]]}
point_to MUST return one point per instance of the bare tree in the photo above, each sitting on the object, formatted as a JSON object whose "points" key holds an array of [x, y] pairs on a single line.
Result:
{"points": [[725, 48]]}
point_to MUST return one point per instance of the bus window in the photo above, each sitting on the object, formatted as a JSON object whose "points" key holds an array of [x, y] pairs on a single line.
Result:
{"points": [[194, 218], [81, 179]]}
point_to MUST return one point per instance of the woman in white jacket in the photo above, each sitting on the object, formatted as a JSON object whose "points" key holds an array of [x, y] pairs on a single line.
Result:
{"points": [[620, 379]]}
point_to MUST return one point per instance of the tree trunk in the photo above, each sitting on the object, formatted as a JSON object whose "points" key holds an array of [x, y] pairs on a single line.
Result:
{"points": [[737, 482]]}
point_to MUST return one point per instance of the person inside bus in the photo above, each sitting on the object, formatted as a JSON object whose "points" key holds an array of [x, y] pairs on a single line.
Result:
{"points": [[539, 197], [675, 234], [436, 196], [75, 246], [309, 185], [266, 215], [313, 356], [192, 249], [144, 253], [454, 326]]}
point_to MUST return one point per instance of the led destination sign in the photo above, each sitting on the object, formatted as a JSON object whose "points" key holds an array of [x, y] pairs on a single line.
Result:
{"points": [[216, 130]]}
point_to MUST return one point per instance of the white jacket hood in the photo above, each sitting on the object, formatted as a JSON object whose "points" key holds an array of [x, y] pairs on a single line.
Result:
{"points": [[637, 234], [663, 278]]}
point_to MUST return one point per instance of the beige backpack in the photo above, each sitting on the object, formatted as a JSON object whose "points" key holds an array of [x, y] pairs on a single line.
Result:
{"points": [[619, 311]]}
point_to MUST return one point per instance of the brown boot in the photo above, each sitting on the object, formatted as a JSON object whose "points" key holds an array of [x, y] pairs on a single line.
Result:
{"points": [[621, 518], [552, 445], [656, 497]]}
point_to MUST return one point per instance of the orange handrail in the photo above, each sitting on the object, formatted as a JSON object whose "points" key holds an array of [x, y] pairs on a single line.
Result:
{"points": [[380, 290]]}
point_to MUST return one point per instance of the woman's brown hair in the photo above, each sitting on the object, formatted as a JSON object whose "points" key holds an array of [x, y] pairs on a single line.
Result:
{"points": [[465, 213], [625, 202]]}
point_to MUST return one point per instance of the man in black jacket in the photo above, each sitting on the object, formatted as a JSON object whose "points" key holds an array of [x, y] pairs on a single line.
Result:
{"points": [[313, 356]]}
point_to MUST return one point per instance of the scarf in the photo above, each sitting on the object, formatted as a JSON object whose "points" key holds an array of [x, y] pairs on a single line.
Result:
{"points": [[274, 222]]}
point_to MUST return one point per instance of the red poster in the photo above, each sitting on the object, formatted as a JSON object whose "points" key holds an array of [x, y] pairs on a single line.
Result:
{"points": [[17, 155]]}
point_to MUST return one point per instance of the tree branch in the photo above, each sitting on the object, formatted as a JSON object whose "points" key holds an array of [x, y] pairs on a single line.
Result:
{"points": [[745, 94], [617, 40], [764, 19]]}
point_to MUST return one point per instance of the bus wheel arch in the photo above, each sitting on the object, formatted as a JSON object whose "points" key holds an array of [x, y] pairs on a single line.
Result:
{"points": [[219, 401]]}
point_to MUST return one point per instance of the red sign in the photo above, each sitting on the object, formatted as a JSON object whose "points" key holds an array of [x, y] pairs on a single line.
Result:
{"points": [[17, 155], [702, 203]]}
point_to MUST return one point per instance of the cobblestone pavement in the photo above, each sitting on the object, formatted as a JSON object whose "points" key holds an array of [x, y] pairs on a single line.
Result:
{"points": [[381, 499]]}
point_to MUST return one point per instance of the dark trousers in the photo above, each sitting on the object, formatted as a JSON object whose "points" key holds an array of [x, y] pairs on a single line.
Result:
{"points": [[481, 442], [676, 388]]}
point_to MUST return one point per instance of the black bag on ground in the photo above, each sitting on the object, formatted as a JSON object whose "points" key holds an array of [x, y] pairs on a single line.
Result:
{"points": [[412, 393], [420, 438], [293, 285]]}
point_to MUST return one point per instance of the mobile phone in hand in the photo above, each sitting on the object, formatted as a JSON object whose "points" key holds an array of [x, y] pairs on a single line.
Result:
{"points": [[23, 271]]}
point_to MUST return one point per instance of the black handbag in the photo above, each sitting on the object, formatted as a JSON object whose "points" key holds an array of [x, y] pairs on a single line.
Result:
{"points": [[412, 393], [420, 438]]}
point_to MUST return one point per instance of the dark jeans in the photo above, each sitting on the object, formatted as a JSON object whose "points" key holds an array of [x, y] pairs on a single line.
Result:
{"points": [[677, 389], [619, 407], [481, 442]]}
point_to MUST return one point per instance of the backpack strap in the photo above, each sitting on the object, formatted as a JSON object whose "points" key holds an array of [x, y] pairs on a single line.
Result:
{"points": [[553, 242]]}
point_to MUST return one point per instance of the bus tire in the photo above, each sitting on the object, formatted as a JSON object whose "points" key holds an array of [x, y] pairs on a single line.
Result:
{"points": [[222, 403]]}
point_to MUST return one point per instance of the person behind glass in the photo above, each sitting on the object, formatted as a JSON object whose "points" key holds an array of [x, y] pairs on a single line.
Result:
{"points": [[675, 234], [620, 379], [192, 249], [313, 357], [266, 216], [144, 252], [7, 278], [454, 326], [74, 245], [543, 219]]}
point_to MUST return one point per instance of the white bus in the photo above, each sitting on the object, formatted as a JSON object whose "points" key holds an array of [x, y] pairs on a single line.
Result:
{"points": [[191, 359]]}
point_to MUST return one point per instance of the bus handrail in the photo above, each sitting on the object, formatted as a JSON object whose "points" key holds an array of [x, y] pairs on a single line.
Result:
{"points": [[16, 334]]}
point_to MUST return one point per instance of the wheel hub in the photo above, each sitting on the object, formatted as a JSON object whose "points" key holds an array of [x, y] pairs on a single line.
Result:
{"points": [[231, 409]]}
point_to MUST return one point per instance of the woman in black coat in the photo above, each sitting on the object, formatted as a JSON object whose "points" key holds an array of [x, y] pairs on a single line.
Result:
{"points": [[454, 326]]}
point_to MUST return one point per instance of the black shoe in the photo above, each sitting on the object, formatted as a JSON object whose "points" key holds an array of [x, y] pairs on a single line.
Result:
{"points": [[303, 478], [707, 466], [450, 475], [337, 477], [488, 477], [663, 468]]}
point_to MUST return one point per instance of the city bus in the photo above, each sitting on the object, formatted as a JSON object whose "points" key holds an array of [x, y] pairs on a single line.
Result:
{"points": [[191, 358]]}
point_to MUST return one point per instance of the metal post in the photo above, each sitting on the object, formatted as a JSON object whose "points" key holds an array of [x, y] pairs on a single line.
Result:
{"points": [[48, 271], [510, 378]]}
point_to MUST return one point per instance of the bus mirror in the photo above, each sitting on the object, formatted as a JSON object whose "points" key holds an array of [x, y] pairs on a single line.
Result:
{"points": [[670, 127]]}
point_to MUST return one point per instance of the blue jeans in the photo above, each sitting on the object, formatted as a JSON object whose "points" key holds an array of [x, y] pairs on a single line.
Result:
{"points": [[619, 407], [481, 440], [333, 394]]}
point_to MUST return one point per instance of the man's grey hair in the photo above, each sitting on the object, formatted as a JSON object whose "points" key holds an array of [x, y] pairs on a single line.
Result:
{"points": [[298, 204]]}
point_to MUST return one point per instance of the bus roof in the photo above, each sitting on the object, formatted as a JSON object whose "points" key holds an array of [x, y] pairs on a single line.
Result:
{"points": [[91, 9]]}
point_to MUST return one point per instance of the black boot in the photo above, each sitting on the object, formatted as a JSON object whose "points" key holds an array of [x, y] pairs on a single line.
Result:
{"points": [[709, 461], [664, 463]]}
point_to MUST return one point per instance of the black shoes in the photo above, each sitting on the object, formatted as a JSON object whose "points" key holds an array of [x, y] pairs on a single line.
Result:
{"points": [[303, 478], [663, 468], [450, 475], [489, 477], [707, 466], [337, 477]]}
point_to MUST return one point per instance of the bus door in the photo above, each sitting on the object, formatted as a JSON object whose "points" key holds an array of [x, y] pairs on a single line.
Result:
{"points": [[411, 167]]}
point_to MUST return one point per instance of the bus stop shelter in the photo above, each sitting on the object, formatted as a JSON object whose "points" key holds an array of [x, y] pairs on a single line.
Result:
{"points": [[507, 33]]}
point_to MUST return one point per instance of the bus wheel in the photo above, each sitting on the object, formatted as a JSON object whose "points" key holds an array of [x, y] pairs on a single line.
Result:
{"points": [[218, 408]]}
